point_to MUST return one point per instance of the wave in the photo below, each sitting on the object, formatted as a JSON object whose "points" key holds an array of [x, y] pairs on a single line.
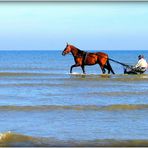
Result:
{"points": [[108, 77], [32, 73], [33, 84], [75, 76], [119, 93], [76, 107], [31, 68], [21, 74], [15, 139]]}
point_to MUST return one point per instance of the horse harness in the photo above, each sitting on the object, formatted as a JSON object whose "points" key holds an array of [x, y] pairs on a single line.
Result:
{"points": [[84, 56]]}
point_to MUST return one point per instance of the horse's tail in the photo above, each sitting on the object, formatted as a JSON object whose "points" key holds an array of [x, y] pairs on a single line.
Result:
{"points": [[109, 66]]}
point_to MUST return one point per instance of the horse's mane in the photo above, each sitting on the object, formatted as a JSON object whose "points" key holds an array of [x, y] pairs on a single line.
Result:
{"points": [[76, 48]]}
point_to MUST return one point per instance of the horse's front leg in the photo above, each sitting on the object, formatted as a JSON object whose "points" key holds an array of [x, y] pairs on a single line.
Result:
{"points": [[75, 65], [83, 69]]}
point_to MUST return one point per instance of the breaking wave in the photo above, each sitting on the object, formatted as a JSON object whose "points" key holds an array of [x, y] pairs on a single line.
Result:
{"points": [[75, 107], [15, 139], [21, 74]]}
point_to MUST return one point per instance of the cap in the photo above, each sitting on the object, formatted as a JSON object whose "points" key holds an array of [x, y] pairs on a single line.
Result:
{"points": [[140, 56]]}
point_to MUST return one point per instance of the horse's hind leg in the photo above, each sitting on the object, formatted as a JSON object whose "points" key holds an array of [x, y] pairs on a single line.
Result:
{"points": [[108, 67], [103, 70]]}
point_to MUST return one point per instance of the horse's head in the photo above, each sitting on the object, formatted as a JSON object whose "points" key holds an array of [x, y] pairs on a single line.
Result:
{"points": [[66, 50]]}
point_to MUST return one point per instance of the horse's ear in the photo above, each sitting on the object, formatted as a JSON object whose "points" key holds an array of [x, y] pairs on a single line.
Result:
{"points": [[67, 44]]}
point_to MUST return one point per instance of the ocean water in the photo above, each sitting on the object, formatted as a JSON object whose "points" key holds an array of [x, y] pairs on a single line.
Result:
{"points": [[42, 104]]}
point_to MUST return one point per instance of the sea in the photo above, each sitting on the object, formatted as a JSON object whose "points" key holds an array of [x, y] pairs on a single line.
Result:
{"points": [[42, 104]]}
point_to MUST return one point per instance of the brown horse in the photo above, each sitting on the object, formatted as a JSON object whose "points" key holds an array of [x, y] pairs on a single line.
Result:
{"points": [[83, 58]]}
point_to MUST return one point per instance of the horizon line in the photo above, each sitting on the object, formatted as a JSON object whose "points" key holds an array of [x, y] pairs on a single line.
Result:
{"points": [[62, 50]]}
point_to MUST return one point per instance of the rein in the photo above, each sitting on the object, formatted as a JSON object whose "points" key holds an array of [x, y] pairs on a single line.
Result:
{"points": [[120, 63]]}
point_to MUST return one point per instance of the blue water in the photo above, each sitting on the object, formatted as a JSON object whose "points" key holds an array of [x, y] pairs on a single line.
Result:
{"points": [[39, 98]]}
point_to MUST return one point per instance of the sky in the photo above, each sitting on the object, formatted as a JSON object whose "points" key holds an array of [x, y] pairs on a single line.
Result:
{"points": [[86, 25]]}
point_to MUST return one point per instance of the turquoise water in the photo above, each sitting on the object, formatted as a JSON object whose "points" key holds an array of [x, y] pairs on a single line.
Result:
{"points": [[40, 99]]}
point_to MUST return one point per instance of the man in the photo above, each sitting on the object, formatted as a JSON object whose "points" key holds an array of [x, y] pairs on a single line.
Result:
{"points": [[139, 68]]}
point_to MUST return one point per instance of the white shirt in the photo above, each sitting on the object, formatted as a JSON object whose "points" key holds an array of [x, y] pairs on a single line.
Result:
{"points": [[141, 63]]}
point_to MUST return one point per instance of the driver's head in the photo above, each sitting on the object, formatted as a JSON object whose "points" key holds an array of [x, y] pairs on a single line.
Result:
{"points": [[140, 56]]}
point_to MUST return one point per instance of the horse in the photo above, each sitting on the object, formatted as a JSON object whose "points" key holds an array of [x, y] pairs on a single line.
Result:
{"points": [[83, 58]]}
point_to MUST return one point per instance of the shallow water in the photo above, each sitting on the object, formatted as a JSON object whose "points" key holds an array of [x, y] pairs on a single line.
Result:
{"points": [[41, 104]]}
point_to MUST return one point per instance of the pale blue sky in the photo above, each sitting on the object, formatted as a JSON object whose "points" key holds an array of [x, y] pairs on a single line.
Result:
{"points": [[87, 25]]}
